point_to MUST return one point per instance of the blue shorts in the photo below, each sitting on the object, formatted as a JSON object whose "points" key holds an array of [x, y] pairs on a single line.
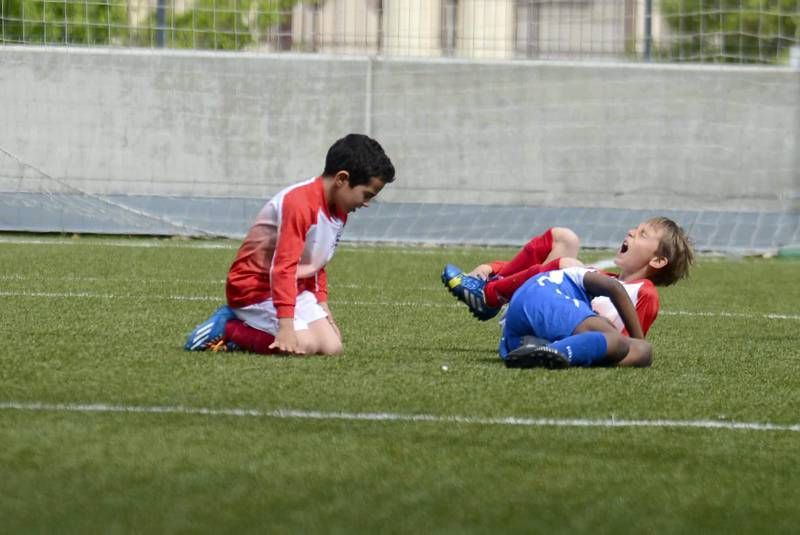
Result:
{"points": [[546, 310]]}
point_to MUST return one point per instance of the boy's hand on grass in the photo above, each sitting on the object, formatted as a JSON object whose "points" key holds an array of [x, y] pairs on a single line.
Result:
{"points": [[482, 271], [286, 339]]}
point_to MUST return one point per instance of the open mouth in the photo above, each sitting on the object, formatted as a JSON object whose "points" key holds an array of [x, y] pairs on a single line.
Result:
{"points": [[624, 247]]}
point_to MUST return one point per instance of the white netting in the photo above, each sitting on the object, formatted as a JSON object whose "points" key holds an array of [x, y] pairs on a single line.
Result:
{"points": [[739, 31], [492, 132]]}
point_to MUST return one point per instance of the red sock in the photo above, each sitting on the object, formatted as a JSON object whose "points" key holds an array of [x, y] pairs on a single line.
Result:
{"points": [[534, 252], [249, 338], [499, 291]]}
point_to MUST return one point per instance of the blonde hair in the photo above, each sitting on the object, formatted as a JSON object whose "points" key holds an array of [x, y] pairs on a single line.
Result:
{"points": [[676, 246]]}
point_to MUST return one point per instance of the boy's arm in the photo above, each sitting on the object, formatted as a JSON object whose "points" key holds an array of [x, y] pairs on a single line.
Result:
{"points": [[286, 338], [295, 222], [599, 284]]}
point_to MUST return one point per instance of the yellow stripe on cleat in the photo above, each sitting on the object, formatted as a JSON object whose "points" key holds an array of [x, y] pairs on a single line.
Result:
{"points": [[455, 281]]}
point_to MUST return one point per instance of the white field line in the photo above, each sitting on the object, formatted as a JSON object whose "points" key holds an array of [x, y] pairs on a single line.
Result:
{"points": [[769, 316], [137, 244], [388, 247], [78, 278], [395, 417], [204, 282], [405, 249], [409, 304]]}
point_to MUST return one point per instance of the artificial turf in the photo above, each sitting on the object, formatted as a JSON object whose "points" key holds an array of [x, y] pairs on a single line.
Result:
{"points": [[92, 333]]}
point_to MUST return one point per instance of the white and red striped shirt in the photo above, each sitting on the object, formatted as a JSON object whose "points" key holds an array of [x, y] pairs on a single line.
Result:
{"points": [[286, 250], [644, 296]]}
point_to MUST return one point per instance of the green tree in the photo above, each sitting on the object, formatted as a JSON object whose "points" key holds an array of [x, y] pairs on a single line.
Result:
{"points": [[37, 21], [203, 24], [223, 24], [732, 31]]}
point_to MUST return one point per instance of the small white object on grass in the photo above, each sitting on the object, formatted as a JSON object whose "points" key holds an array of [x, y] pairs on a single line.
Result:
{"points": [[444, 367]]}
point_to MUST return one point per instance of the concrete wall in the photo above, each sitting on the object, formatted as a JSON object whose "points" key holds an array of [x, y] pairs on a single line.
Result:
{"points": [[600, 135], [555, 134], [178, 124]]}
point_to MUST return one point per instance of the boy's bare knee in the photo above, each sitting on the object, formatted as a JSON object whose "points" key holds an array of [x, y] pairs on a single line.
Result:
{"points": [[617, 346], [323, 347], [566, 237], [645, 358], [332, 348], [639, 355]]}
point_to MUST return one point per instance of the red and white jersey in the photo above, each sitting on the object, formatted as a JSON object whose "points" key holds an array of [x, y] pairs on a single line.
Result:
{"points": [[286, 250], [644, 296]]}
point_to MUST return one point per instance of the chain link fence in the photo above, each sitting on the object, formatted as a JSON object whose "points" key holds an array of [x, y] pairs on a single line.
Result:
{"points": [[724, 31]]}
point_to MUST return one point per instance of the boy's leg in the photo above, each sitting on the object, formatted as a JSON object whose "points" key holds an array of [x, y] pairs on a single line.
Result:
{"points": [[566, 244], [640, 354], [554, 243], [314, 333], [543, 253], [249, 338], [499, 291], [619, 349], [581, 338], [585, 349], [320, 338], [539, 310]]}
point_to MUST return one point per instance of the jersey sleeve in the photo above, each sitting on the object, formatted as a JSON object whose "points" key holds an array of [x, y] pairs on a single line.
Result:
{"points": [[647, 307], [296, 219]]}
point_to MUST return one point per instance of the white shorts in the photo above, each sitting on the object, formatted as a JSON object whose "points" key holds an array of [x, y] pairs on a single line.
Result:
{"points": [[264, 317]]}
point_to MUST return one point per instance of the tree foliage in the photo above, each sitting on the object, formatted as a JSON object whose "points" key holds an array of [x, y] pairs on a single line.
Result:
{"points": [[223, 24], [741, 31], [203, 24], [48, 22]]}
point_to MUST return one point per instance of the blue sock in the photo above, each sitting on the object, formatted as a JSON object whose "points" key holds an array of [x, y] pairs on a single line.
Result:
{"points": [[583, 349]]}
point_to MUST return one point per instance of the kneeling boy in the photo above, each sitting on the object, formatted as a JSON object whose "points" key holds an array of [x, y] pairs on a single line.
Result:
{"points": [[277, 289]]}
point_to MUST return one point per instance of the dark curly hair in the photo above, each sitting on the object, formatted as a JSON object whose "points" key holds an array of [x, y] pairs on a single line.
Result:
{"points": [[362, 157]]}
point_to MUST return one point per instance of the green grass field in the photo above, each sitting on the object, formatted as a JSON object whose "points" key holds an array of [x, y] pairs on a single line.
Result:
{"points": [[108, 426]]}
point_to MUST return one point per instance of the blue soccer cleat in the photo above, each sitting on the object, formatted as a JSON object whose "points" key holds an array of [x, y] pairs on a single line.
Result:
{"points": [[208, 335], [533, 355], [468, 290]]}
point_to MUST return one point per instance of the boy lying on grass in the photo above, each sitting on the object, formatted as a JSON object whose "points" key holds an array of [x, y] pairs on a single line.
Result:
{"points": [[655, 253]]}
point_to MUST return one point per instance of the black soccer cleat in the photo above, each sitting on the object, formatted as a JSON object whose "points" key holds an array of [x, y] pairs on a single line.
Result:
{"points": [[536, 356]]}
